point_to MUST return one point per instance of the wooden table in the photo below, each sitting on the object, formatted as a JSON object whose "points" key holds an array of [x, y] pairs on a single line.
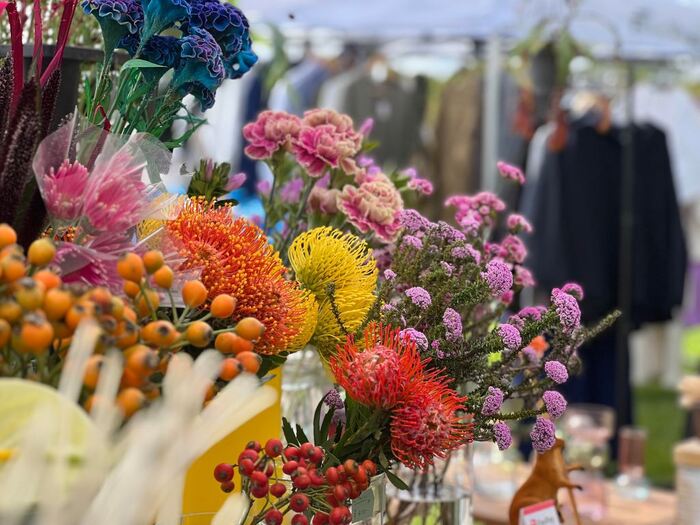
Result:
{"points": [[659, 509]]}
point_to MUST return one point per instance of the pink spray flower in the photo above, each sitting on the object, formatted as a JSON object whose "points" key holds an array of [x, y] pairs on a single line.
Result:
{"points": [[508, 171], [422, 186], [373, 206], [62, 190], [270, 132]]}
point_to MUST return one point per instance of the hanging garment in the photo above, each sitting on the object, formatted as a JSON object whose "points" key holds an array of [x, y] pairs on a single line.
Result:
{"points": [[576, 217], [458, 137], [298, 90], [397, 106]]}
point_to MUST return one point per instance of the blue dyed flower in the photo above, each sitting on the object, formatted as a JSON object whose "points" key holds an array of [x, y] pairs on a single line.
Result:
{"points": [[161, 50], [161, 14], [117, 19], [201, 68], [230, 28]]}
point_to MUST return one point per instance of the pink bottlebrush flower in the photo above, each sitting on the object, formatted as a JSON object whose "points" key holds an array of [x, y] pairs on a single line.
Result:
{"points": [[270, 132], [389, 274], [63, 189], [419, 296], [555, 403], [492, 402], [412, 241], [324, 200], [115, 196], [373, 206], [417, 337], [413, 221], [556, 371], [574, 289], [508, 171], [517, 223], [507, 297], [453, 324], [510, 336], [567, 309]]}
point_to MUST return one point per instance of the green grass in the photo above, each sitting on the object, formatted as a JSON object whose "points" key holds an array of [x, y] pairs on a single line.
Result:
{"points": [[657, 410]]}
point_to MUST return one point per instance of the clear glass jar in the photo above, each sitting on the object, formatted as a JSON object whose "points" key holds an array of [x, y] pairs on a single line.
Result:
{"points": [[370, 507], [442, 494]]}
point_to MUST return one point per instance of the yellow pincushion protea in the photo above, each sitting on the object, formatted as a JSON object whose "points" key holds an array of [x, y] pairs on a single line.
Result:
{"points": [[326, 256], [309, 326]]}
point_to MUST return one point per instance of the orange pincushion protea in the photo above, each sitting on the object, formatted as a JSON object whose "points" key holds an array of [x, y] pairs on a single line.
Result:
{"points": [[235, 258]]}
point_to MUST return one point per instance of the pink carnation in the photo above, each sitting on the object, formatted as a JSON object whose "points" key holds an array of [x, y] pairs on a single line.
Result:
{"points": [[271, 131], [324, 200], [63, 189], [373, 206], [320, 148]]}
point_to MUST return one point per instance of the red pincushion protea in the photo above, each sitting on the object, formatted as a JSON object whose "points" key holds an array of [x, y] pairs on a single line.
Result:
{"points": [[426, 424], [378, 372]]}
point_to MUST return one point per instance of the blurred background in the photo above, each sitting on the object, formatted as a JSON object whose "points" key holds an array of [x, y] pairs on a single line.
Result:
{"points": [[597, 100]]}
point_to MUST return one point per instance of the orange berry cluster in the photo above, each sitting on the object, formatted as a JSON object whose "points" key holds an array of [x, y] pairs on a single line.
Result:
{"points": [[39, 315]]}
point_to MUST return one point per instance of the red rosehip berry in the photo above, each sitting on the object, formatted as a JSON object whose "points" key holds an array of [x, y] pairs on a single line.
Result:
{"points": [[320, 518], [248, 454], [350, 467], [270, 469], [259, 491], [223, 472], [370, 467], [332, 475], [316, 455], [246, 467], [340, 492], [273, 517], [361, 475], [354, 491], [273, 447], [253, 445], [316, 479], [331, 499], [278, 489], [300, 519], [306, 449], [337, 516], [259, 478], [228, 486], [299, 502], [302, 482], [289, 467], [292, 454]]}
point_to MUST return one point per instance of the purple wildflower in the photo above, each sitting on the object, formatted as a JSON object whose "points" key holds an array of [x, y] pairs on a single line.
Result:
{"points": [[332, 399], [517, 322], [573, 289], [435, 345], [502, 436], [422, 186], [567, 309], [419, 296], [555, 403], [492, 402], [447, 232], [388, 307], [542, 434], [415, 336], [413, 242], [447, 268], [413, 221], [453, 324], [510, 336], [508, 171], [498, 277], [389, 274], [556, 372]]}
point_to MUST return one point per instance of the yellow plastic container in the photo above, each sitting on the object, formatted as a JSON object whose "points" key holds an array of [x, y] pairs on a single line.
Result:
{"points": [[202, 496]]}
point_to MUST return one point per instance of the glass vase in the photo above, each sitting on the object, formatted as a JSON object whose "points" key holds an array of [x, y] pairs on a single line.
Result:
{"points": [[441, 495], [370, 507]]}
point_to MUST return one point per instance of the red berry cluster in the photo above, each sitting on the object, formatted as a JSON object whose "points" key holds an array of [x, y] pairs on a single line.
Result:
{"points": [[308, 490]]}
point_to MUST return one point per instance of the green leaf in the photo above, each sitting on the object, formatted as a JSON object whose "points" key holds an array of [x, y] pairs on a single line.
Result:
{"points": [[289, 432], [301, 436], [139, 63], [325, 426], [317, 421], [395, 480]]}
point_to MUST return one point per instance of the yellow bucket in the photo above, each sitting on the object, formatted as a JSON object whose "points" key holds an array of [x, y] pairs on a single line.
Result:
{"points": [[202, 497]]}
